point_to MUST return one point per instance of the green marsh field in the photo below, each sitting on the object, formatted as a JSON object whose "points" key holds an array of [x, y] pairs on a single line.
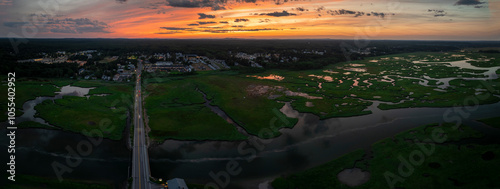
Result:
{"points": [[340, 90]]}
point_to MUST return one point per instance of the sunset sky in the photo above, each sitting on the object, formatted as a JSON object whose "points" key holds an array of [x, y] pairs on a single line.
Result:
{"points": [[335, 19]]}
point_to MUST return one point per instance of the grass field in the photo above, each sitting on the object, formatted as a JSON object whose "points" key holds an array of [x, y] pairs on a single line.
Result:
{"points": [[252, 112], [79, 114], [394, 79], [447, 166], [176, 111], [340, 90], [253, 101]]}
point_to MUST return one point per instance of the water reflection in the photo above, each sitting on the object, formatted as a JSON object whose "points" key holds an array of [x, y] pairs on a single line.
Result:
{"points": [[367, 82], [73, 91], [311, 142], [356, 82], [271, 77], [40, 148], [326, 78], [356, 69], [330, 72], [490, 73]]}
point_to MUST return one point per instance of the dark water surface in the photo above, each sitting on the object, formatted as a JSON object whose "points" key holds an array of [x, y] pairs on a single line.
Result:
{"points": [[310, 143]]}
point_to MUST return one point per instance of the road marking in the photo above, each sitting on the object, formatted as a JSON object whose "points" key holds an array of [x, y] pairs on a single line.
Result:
{"points": [[138, 156]]}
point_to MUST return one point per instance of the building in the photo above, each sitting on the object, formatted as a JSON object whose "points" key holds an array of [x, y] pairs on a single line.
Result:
{"points": [[123, 76], [131, 67], [168, 67], [176, 183], [188, 57], [116, 77], [164, 63]]}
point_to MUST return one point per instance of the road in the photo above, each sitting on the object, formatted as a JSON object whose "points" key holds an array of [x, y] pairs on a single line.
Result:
{"points": [[140, 159]]}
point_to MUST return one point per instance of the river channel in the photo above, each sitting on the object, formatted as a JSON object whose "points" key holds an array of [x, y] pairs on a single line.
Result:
{"points": [[310, 143]]}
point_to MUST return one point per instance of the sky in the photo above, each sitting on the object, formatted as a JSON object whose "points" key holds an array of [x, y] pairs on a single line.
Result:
{"points": [[252, 19]]}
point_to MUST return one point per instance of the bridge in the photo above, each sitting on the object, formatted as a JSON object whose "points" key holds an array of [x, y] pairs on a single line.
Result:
{"points": [[140, 158]]}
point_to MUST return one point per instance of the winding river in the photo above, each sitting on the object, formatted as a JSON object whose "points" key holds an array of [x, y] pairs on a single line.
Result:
{"points": [[310, 143], [38, 149]]}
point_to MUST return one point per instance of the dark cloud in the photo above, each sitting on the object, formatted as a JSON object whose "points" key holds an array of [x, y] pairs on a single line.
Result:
{"points": [[350, 12], [62, 30], [246, 1], [468, 2], [174, 28], [213, 27], [437, 12], [279, 14], [241, 20], [156, 6], [203, 23], [224, 22], [14, 24], [238, 30], [265, 20], [319, 9], [380, 14], [168, 32], [121, 1], [45, 15], [280, 2], [86, 29], [301, 9], [213, 4], [203, 16], [345, 12], [78, 25], [193, 24]]}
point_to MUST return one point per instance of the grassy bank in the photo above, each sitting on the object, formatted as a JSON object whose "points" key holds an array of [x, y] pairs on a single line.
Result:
{"points": [[79, 114], [28, 89]]}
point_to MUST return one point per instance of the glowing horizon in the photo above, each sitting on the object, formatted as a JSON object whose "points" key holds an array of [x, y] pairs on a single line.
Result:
{"points": [[252, 19]]}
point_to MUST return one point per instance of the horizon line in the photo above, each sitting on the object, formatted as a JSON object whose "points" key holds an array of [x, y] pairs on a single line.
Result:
{"points": [[442, 40]]}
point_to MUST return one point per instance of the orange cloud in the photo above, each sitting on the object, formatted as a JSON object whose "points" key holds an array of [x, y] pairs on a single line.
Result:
{"points": [[377, 19]]}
